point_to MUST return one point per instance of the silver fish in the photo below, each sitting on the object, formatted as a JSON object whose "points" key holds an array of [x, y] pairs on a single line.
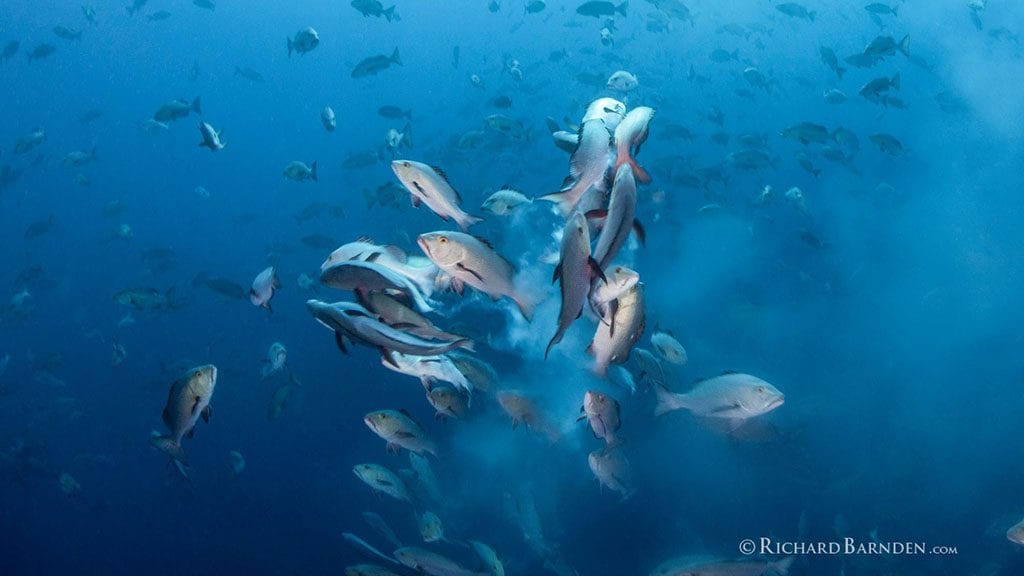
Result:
{"points": [[211, 137], [430, 186], [356, 323], [575, 272], [619, 218], [587, 167], [732, 396]]}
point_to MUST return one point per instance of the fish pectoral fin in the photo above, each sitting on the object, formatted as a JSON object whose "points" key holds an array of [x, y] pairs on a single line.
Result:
{"points": [[384, 482], [388, 357], [415, 200], [403, 434], [595, 269], [339, 340], [471, 271], [641, 234], [195, 405], [206, 413], [556, 273]]}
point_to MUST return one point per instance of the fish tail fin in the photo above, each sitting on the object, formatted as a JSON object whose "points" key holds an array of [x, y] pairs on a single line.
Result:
{"points": [[389, 13], [396, 58], [562, 199], [621, 8], [197, 106], [467, 220], [782, 566], [312, 168], [168, 445], [667, 400], [904, 45], [554, 340]]}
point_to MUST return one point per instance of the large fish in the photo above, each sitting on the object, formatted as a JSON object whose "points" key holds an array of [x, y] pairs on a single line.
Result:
{"points": [[187, 402], [472, 261], [398, 315], [368, 276], [732, 396], [430, 186], [630, 134], [619, 330], [399, 430], [602, 414], [575, 272], [419, 270], [429, 369], [619, 218], [356, 323], [587, 167]]}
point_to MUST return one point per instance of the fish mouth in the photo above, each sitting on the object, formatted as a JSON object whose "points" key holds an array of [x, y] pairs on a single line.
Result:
{"points": [[370, 422], [776, 402], [423, 245]]}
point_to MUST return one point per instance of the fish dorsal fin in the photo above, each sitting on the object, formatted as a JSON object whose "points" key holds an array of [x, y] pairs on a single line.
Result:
{"points": [[485, 242], [372, 257], [405, 413], [725, 372], [354, 313], [441, 173]]}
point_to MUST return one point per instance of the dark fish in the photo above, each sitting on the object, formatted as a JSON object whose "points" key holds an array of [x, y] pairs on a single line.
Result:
{"points": [[362, 159], [502, 102], [375, 8], [376, 64], [394, 112], [226, 287], [145, 299], [319, 242], [9, 175], [158, 16], [599, 8], [37, 229], [10, 49], [67, 33], [41, 51]]}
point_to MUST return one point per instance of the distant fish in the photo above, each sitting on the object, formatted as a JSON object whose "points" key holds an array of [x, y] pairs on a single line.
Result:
{"points": [[159, 16], [383, 480], [598, 9], [375, 64], [328, 119], [135, 6], [177, 109], [41, 51], [732, 396], [10, 49], [277, 357], [622, 81], [30, 141], [393, 112], [375, 8], [299, 172], [249, 74], [207, 4], [796, 11], [38, 228], [612, 469], [77, 158], [305, 41], [504, 201], [67, 33]]}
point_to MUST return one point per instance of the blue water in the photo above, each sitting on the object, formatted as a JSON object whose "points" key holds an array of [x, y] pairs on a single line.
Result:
{"points": [[887, 309]]}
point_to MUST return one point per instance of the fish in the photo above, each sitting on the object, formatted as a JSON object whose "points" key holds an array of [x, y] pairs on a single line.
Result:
{"points": [[328, 119], [154, 126], [145, 299], [396, 139], [424, 476], [431, 563], [598, 8], [250, 74], [828, 56], [9, 51], [299, 172], [159, 16], [505, 201], [282, 395], [575, 272], [887, 143], [502, 102], [522, 410], [263, 288], [366, 276], [430, 185], [449, 402], [1015, 533], [304, 42], [207, 4], [277, 357], [211, 137], [480, 375], [236, 462], [474, 262], [226, 287], [612, 469], [178, 109], [78, 158], [430, 526], [795, 10], [67, 33], [363, 545], [618, 219], [354, 322], [875, 90], [377, 523], [834, 96], [715, 567], [807, 132], [375, 8], [373, 65], [604, 295], [382, 480], [429, 369], [399, 430], [397, 315], [668, 348], [629, 136], [420, 271], [622, 81], [535, 6], [588, 165], [41, 51], [489, 558], [619, 330], [732, 396], [28, 142], [394, 112], [187, 402], [40, 227], [602, 414]]}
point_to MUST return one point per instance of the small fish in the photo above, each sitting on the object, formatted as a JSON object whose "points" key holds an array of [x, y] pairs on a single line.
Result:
{"points": [[670, 350], [78, 158], [599, 8], [41, 51], [178, 109], [504, 201], [488, 557], [328, 119], [430, 526], [40, 227], [67, 33], [250, 74], [10, 49], [430, 186], [394, 112], [135, 6], [277, 357], [834, 96], [159, 16], [449, 402], [263, 288], [207, 4], [622, 81], [375, 8], [304, 42], [602, 414], [375, 64], [535, 6], [236, 462], [887, 143], [796, 11], [828, 56], [399, 430], [383, 480], [30, 141], [211, 137], [300, 172], [612, 469]]}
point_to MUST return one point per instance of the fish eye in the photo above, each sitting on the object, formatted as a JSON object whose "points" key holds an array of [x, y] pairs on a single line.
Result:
{"points": [[406, 164], [443, 239], [760, 389]]}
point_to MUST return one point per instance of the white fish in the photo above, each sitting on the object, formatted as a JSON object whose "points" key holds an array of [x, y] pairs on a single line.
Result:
{"points": [[328, 119], [731, 396], [424, 476], [489, 557], [587, 166], [263, 288], [429, 370], [277, 356], [666, 345], [604, 293], [619, 331], [1016, 533], [630, 135], [575, 272], [431, 563], [619, 218], [362, 544], [430, 526], [622, 81], [211, 137], [399, 430], [383, 480], [612, 469], [377, 523], [504, 201], [430, 186]]}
